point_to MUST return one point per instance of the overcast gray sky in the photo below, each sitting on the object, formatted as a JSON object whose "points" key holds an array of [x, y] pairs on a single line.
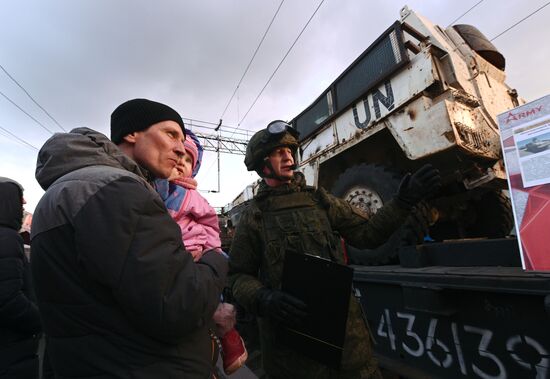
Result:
{"points": [[80, 59]]}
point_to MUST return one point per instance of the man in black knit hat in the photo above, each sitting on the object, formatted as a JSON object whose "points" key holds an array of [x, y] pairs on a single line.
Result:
{"points": [[118, 294]]}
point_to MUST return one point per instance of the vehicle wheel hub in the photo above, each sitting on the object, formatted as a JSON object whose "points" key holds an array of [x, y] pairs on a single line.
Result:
{"points": [[364, 198]]}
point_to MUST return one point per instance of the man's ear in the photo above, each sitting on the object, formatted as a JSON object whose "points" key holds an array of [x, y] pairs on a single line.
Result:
{"points": [[131, 137]]}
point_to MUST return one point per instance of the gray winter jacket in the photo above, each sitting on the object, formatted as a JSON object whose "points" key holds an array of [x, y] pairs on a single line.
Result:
{"points": [[118, 294]]}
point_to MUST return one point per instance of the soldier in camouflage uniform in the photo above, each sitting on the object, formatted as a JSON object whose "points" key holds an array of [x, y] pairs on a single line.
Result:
{"points": [[286, 215]]}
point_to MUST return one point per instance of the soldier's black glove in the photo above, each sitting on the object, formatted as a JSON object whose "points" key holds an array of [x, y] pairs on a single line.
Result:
{"points": [[281, 307], [424, 183]]}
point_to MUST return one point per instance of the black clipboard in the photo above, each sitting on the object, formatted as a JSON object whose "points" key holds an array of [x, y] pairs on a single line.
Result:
{"points": [[325, 287]]}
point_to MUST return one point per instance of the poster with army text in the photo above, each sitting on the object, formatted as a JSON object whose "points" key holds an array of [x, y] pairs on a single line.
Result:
{"points": [[525, 137]]}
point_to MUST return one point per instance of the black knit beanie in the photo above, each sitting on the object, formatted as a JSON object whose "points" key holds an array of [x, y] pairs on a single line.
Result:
{"points": [[139, 114]]}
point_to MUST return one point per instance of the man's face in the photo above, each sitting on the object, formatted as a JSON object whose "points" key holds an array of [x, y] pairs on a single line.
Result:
{"points": [[282, 161], [159, 147]]}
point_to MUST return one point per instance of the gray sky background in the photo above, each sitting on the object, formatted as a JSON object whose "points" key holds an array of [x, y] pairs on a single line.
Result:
{"points": [[80, 59]]}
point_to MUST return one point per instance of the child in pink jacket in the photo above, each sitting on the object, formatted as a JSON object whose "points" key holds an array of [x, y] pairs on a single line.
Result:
{"points": [[200, 232]]}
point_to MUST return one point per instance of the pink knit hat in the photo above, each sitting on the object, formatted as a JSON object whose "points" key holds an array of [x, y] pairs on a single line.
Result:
{"points": [[191, 148]]}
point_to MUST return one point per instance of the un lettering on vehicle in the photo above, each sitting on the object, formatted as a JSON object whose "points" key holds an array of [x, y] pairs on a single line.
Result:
{"points": [[462, 350], [389, 96]]}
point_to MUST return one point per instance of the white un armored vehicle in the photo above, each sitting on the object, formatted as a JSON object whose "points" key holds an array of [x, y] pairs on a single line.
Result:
{"points": [[445, 309], [418, 94]]}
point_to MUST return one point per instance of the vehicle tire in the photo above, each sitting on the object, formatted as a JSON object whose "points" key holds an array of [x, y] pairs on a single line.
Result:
{"points": [[481, 45], [369, 187], [494, 217]]}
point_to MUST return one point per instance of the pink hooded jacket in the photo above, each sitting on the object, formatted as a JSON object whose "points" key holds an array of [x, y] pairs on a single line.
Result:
{"points": [[198, 221]]}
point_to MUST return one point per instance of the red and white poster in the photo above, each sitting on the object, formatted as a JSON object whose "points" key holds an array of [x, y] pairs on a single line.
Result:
{"points": [[525, 137]]}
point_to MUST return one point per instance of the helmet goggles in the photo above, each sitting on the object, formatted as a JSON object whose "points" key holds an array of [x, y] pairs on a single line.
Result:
{"points": [[276, 129]]}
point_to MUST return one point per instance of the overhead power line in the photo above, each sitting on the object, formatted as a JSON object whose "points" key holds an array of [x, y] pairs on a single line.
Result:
{"points": [[215, 126], [18, 139], [282, 60], [222, 144], [204, 122], [24, 111], [30, 97], [252, 59], [465, 13], [219, 142], [519, 22]]}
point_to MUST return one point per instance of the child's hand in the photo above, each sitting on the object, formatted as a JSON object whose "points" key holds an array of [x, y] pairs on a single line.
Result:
{"points": [[197, 254], [225, 318]]}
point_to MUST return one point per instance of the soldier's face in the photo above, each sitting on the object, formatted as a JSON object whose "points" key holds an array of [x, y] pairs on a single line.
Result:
{"points": [[282, 161]]}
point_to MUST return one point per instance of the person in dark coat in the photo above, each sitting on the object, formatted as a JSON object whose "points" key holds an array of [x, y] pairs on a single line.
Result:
{"points": [[119, 295], [19, 318]]}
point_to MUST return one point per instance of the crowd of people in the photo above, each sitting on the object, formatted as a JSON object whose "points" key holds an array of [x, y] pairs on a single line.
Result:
{"points": [[126, 259]]}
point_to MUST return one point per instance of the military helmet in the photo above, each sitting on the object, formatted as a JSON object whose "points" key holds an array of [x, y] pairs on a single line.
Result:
{"points": [[277, 133]]}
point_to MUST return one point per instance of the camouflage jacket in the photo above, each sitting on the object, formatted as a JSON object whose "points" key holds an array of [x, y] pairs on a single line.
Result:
{"points": [[255, 263]]}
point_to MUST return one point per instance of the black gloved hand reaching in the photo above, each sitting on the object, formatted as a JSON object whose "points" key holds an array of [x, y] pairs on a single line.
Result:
{"points": [[425, 182], [281, 307]]}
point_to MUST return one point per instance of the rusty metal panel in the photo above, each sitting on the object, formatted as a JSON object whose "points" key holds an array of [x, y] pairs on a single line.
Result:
{"points": [[473, 131], [310, 171], [439, 37], [322, 142], [423, 128]]}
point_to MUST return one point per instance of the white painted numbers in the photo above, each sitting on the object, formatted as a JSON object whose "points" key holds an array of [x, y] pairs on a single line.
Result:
{"points": [[480, 361]]}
